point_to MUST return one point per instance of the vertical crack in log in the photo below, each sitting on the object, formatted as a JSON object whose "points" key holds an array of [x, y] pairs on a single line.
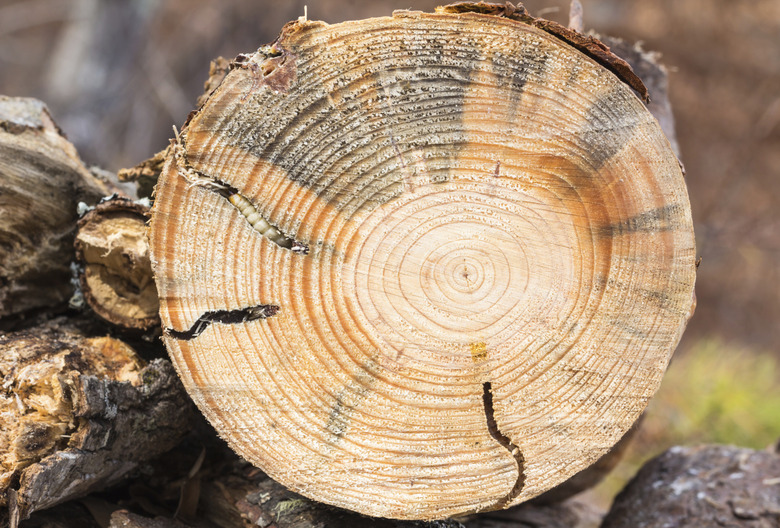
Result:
{"points": [[243, 315], [506, 442]]}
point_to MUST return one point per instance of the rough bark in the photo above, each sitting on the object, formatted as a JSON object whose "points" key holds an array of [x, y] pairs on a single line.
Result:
{"points": [[79, 414], [691, 487], [115, 273], [42, 180], [331, 238]]}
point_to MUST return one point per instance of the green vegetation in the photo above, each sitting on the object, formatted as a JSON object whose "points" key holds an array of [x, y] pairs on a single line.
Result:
{"points": [[717, 393], [713, 392]]}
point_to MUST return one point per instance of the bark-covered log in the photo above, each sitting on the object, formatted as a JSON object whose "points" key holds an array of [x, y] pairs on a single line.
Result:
{"points": [[417, 275], [115, 272], [42, 180], [78, 415], [692, 487]]}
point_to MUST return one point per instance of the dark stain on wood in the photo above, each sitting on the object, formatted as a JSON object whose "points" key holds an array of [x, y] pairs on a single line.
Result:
{"points": [[601, 139], [587, 44], [337, 420], [349, 398], [660, 219], [396, 104]]}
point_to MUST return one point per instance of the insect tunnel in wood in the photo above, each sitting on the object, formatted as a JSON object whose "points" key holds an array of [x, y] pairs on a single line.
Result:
{"points": [[423, 265]]}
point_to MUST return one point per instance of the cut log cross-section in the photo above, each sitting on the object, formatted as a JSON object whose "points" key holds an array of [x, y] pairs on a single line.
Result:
{"points": [[423, 265]]}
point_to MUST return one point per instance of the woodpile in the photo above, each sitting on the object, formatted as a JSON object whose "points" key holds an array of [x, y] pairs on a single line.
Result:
{"points": [[416, 267]]}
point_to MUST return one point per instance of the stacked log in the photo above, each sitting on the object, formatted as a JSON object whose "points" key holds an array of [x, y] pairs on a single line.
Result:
{"points": [[82, 411]]}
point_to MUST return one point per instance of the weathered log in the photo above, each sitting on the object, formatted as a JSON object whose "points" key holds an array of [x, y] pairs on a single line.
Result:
{"points": [[42, 180], [240, 496], [78, 415], [115, 272], [690, 487], [416, 275]]}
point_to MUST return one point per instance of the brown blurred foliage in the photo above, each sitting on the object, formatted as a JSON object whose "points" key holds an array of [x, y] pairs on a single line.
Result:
{"points": [[118, 74]]}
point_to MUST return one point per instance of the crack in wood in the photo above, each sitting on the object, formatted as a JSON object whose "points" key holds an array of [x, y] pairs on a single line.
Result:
{"points": [[241, 315], [506, 442], [237, 200]]}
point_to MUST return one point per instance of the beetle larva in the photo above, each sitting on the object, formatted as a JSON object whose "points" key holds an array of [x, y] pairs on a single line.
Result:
{"points": [[257, 221]]}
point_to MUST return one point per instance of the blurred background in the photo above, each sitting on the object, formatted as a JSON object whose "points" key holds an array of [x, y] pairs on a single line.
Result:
{"points": [[117, 74]]}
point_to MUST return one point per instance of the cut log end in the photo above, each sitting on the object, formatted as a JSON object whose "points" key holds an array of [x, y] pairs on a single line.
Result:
{"points": [[113, 252], [499, 261]]}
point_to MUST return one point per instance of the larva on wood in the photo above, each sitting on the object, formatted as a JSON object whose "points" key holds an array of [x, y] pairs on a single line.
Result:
{"points": [[257, 221]]}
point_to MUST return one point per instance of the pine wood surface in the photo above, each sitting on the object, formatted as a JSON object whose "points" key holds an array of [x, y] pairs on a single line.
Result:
{"points": [[422, 265]]}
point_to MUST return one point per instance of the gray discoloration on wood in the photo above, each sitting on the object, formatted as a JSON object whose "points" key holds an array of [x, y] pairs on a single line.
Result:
{"points": [[606, 129], [380, 115], [665, 218], [349, 400]]}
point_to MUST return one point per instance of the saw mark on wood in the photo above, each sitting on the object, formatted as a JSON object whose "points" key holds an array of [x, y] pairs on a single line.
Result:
{"points": [[506, 442], [242, 315]]}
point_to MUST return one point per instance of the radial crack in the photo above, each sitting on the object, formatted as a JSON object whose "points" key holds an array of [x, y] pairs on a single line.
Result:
{"points": [[236, 199], [242, 315], [506, 442]]}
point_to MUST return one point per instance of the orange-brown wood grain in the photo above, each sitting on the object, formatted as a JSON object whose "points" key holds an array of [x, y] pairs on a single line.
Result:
{"points": [[499, 261]]}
